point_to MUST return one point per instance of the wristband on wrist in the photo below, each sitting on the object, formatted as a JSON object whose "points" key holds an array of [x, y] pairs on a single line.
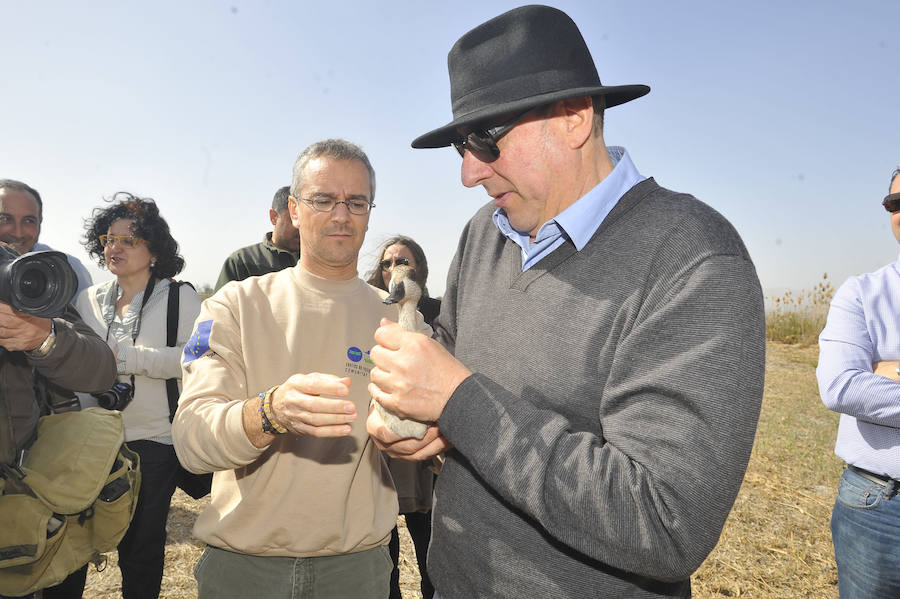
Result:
{"points": [[269, 423], [44, 348]]}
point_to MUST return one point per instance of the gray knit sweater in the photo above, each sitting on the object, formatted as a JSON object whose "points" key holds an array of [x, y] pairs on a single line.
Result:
{"points": [[602, 441]]}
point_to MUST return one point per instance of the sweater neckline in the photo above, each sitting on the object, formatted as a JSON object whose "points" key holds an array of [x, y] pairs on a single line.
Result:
{"points": [[308, 280], [522, 279]]}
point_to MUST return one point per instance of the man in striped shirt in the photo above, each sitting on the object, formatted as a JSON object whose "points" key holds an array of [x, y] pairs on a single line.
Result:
{"points": [[858, 374]]}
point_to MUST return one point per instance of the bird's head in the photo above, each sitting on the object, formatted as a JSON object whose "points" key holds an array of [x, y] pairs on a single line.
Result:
{"points": [[403, 287]]}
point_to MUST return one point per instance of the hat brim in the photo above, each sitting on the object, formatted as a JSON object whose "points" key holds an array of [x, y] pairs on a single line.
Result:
{"points": [[446, 135]]}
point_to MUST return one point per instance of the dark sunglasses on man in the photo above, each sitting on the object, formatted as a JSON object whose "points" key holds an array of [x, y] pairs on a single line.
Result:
{"points": [[891, 203], [482, 143]]}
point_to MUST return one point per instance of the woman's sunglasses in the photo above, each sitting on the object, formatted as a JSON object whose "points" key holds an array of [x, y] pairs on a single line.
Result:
{"points": [[125, 241], [389, 264], [891, 203]]}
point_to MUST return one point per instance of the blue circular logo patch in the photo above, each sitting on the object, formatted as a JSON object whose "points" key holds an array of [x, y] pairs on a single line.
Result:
{"points": [[355, 354]]}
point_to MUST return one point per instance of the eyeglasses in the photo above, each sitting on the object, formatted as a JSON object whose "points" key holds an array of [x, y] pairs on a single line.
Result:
{"points": [[483, 142], [326, 204], [126, 241], [389, 264], [891, 203]]}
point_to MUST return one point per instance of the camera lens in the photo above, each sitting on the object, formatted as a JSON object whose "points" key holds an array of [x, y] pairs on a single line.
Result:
{"points": [[39, 283], [105, 400], [116, 398], [33, 283]]}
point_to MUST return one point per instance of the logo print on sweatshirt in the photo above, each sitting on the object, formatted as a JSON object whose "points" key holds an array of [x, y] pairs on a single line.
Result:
{"points": [[198, 344], [359, 363]]}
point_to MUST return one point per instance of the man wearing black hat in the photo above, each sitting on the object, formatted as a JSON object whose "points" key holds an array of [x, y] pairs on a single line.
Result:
{"points": [[607, 337]]}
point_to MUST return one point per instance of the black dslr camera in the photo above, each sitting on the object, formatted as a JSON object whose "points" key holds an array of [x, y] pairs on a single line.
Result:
{"points": [[119, 396], [40, 283]]}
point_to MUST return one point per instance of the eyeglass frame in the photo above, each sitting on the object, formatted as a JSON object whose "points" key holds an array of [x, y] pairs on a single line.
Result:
{"points": [[487, 138], [107, 240], [311, 203], [891, 202], [386, 264]]}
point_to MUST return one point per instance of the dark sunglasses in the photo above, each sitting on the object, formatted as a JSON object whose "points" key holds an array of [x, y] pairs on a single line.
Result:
{"points": [[483, 142], [388, 264], [891, 203]]}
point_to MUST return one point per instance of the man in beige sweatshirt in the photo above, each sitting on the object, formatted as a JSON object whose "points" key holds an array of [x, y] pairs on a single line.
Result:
{"points": [[275, 402]]}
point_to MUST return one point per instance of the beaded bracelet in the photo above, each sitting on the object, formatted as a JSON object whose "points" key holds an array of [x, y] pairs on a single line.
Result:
{"points": [[266, 425], [269, 423]]}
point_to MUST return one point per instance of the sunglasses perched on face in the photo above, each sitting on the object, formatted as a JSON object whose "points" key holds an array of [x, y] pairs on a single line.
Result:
{"points": [[389, 264], [482, 143], [891, 203], [126, 241]]}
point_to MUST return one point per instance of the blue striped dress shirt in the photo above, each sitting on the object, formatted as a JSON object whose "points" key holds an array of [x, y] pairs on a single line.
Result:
{"points": [[863, 328], [579, 221]]}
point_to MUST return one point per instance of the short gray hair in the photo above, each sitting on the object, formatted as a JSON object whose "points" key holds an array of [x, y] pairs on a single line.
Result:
{"points": [[280, 201], [893, 176], [338, 149]]}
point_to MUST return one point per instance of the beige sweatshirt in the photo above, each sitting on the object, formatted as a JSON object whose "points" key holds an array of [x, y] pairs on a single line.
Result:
{"points": [[301, 496]]}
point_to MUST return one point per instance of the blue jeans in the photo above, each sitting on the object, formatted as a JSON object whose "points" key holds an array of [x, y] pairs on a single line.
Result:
{"points": [[865, 530]]}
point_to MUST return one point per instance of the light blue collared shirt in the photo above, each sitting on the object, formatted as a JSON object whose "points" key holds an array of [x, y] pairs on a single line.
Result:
{"points": [[863, 328], [578, 222]]}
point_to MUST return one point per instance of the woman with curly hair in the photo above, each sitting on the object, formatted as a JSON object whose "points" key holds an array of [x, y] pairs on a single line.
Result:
{"points": [[132, 240], [414, 480]]}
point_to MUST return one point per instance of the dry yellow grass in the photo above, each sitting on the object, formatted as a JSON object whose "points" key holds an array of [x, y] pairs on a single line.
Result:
{"points": [[776, 543], [799, 318]]}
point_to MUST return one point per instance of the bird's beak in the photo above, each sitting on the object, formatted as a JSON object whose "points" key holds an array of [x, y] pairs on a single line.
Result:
{"points": [[398, 292]]}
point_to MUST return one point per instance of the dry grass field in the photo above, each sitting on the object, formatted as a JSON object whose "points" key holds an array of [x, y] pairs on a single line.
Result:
{"points": [[776, 542]]}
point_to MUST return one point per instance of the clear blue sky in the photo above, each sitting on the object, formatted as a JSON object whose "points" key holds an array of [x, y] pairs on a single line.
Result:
{"points": [[781, 115]]}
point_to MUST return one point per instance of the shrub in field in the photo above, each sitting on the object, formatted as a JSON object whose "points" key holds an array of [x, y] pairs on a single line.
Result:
{"points": [[799, 318]]}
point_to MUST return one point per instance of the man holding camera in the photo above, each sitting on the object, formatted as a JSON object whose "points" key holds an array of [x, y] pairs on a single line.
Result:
{"points": [[21, 213], [858, 372], [65, 352]]}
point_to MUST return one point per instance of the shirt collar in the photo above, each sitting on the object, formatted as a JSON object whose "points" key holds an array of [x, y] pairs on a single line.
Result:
{"points": [[580, 221]]}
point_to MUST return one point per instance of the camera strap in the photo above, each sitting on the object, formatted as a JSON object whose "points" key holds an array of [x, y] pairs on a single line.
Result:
{"points": [[8, 450], [172, 312], [148, 291], [11, 456], [136, 327], [171, 338]]}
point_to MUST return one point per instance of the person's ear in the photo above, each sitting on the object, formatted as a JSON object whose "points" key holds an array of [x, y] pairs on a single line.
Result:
{"points": [[578, 119], [294, 210]]}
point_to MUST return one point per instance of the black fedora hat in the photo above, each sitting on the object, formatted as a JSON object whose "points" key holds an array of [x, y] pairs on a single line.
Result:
{"points": [[527, 57]]}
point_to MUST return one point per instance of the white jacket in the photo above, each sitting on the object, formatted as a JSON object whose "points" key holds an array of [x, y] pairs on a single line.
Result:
{"points": [[148, 359]]}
